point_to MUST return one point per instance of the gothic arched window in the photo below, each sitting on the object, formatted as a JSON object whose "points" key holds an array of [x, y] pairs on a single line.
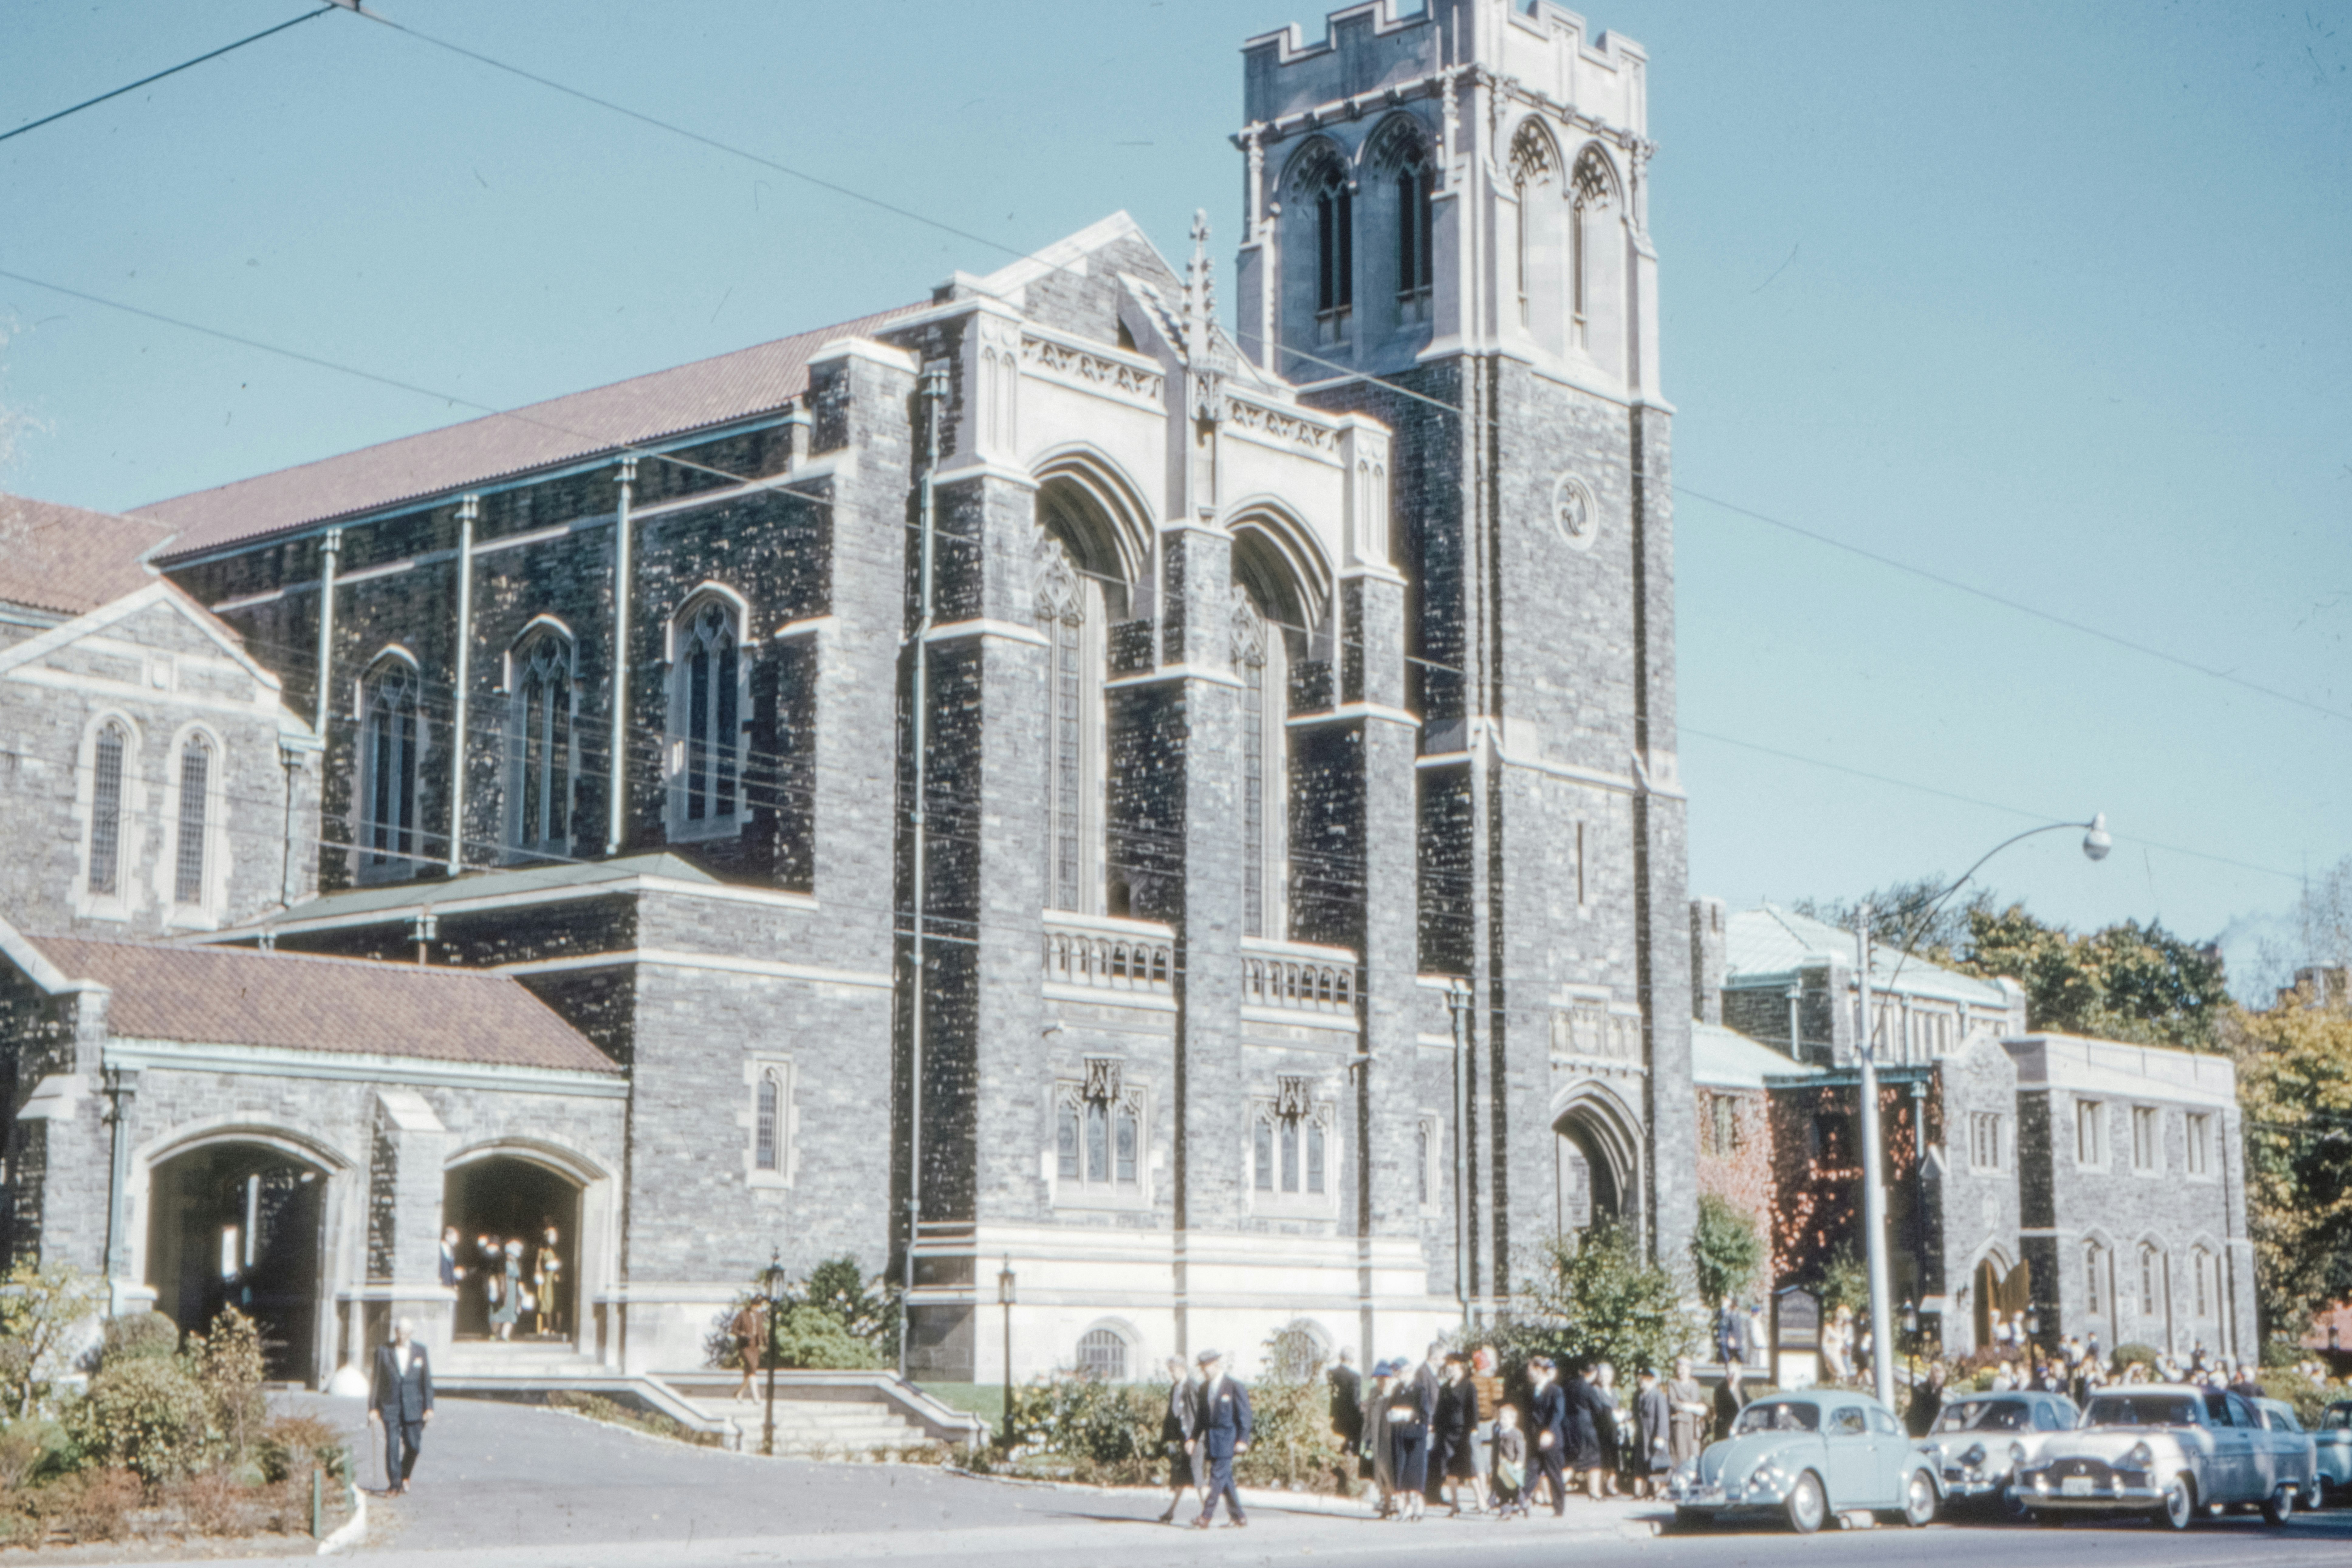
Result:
{"points": [[391, 735], [1102, 1355], [1081, 593], [106, 787], [543, 754], [1098, 1135], [1291, 1146], [706, 760], [195, 786], [1335, 255], [766, 1140], [1261, 655], [2094, 1265], [1535, 182], [1416, 255]]}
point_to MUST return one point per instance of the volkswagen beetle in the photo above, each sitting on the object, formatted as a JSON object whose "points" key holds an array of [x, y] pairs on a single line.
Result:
{"points": [[1805, 1455], [2172, 1451], [1980, 1439]]}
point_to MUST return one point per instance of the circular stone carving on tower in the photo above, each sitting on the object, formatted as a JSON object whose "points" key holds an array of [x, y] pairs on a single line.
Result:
{"points": [[1574, 511]]}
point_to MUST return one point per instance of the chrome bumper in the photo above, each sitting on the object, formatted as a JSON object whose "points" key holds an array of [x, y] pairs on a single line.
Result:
{"points": [[1960, 1486], [2037, 1490]]}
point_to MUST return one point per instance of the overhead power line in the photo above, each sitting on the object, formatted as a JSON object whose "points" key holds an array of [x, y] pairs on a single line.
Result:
{"points": [[159, 75]]}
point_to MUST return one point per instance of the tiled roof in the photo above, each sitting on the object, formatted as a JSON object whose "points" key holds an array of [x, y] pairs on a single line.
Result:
{"points": [[69, 560], [1770, 945], [239, 996], [646, 409], [1725, 1059]]}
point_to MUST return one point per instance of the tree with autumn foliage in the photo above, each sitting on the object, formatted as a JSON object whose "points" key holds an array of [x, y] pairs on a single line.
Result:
{"points": [[2295, 1088]]}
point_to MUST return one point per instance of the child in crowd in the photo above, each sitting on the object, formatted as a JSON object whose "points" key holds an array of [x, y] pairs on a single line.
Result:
{"points": [[1510, 1465]]}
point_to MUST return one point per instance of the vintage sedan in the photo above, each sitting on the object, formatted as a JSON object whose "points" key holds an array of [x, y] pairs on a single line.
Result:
{"points": [[2169, 1451], [2334, 1455], [1980, 1440], [1806, 1456], [2294, 1450]]}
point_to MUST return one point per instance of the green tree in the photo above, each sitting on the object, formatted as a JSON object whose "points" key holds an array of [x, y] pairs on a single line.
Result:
{"points": [[2127, 982], [2294, 1086], [1727, 1250], [837, 1319], [1595, 1297]]}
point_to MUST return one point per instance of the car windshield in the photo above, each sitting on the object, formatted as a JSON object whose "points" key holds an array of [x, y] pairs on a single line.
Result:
{"points": [[1778, 1415], [1984, 1415], [2281, 1420], [2141, 1410], [2338, 1416]]}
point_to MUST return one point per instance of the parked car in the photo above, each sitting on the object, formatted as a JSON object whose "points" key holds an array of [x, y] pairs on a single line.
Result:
{"points": [[1805, 1455], [2333, 1443], [2295, 1450], [1980, 1439], [2170, 1451]]}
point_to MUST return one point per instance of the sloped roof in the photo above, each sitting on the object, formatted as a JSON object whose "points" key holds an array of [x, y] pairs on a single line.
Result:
{"points": [[70, 560], [240, 997], [1770, 945], [1725, 1059], [653, 407], [479, 886]]}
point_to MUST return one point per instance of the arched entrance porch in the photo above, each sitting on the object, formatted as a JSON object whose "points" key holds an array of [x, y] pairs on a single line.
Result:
{"points": [[501, 1196], [242, 1223], [1598, 1150]]}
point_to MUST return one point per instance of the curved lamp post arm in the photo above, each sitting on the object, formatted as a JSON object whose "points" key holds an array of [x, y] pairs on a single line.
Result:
{"points": [[2095, 845]]}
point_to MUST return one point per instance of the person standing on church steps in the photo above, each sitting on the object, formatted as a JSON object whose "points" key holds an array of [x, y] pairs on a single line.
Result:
{"points": [[1347, 1407], [400, 1400], [1224, 1428]]}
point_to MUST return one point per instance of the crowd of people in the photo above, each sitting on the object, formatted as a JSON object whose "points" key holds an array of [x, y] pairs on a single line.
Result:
{"points": [[514, 1290], [1436, 1432]]}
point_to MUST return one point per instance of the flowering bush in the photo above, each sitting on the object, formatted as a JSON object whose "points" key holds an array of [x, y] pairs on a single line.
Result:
{"points": [[147, 1416]]}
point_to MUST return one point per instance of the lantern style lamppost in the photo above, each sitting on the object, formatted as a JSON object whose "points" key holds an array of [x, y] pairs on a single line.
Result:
{"points": [[1004, 1283], [771, 1284]]}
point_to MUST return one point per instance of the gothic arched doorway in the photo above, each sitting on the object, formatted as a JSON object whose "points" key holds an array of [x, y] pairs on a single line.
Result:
{"points": [[502, 1197], [1599, 1163], [241, 1225]]}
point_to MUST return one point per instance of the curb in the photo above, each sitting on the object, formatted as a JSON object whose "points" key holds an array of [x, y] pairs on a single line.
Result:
{"points": [[348, 1534], [1633, 1527]]}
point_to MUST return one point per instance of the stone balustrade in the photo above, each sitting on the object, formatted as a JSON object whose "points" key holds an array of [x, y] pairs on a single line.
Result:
{"points": [[1104, 954], [1298, 977]]}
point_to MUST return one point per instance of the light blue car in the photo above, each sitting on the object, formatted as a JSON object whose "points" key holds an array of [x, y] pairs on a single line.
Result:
{"points": [[1805, 1456]]}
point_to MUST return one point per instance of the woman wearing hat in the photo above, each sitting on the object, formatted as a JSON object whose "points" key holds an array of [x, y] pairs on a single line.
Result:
{"points": [[1377, 1447]]}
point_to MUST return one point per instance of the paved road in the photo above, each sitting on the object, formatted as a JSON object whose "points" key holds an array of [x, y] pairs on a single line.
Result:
{"points": [[506, 1487]]}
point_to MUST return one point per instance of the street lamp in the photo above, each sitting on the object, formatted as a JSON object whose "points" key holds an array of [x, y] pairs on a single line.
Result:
{"points": [[2095, 845], [1004, 1299], [771, 1283], [1911, 1344]]}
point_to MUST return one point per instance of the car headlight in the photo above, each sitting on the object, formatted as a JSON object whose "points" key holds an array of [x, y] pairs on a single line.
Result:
{"points": [[2141, 1458]]}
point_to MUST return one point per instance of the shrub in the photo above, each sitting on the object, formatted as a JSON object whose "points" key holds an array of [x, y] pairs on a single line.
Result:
{"points": [[1294, 1445], [43, 1311], [94, 1505], [836, 1318], [228, 1368], [2308, 1397], [2132, 1351], [1108, 1432], [1596, 1298], [290, 1445], [31, 1449], [145, 1415], [138, 1336]]}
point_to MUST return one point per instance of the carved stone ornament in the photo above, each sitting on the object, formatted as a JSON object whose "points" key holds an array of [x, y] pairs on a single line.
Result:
{"points": [[1290, 1098], [1574, 511], [1249, 631], [1059, 593], [1103, 1083]]}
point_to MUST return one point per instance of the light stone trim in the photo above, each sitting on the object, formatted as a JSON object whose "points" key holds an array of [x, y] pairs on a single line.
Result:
{"points": [[354, 1066], [678, 958], [1091, 367]]}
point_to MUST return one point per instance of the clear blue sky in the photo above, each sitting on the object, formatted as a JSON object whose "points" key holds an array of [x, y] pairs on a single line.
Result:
{"points": [[2052, 300]]}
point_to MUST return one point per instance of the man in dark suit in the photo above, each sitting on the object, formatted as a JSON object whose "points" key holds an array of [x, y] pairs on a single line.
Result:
{"points": [[400, 1398], [1347, 1404], [1178, 1427], [1225, 1428], [1548, 1423]]}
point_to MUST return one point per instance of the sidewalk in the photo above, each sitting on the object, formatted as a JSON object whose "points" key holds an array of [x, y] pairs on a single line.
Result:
{"points": [[1629, 1517]]}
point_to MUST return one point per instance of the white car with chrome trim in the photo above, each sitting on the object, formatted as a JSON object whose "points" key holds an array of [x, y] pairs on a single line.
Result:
{"points": [[1981, 1440], [2170, 1451]]}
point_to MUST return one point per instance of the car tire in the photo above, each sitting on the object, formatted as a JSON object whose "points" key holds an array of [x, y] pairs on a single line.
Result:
{"points": [[2177, 1509], [2010, 1503], [1808, 1507], [1918, 1500], [2279, 1507]]}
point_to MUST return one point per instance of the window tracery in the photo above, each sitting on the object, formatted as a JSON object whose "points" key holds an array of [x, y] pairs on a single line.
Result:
{"points": [[105, 875], [195, 784], [392, 738], [1098, 1134], [706, 720], [543, 750]]}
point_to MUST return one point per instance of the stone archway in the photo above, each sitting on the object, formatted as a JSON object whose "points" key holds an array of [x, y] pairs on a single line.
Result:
{"points": [[508, 1195], [242, 1222], [1597, 1145]]}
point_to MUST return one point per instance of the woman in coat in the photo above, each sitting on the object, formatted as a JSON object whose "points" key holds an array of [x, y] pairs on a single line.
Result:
{"points": [[1453, 1445], [1407, 1418], [1589, 1416], [1377, 1447], [509, 1309]]}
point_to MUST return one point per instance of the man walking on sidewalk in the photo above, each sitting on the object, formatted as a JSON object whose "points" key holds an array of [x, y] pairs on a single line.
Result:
{"points": [[400, 1397], [1178, 1428], [1224, 1428]]}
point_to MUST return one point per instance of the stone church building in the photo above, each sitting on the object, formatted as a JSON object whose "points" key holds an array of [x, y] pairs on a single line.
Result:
{"points": [[1040, 780]]}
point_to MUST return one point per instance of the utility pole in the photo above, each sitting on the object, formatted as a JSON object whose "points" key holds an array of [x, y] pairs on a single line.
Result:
{"points": [[1874, 1179]]}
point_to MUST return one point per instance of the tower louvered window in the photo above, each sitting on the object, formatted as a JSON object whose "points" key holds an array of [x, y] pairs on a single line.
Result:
{"points": [[106, 810], [196, 779]]}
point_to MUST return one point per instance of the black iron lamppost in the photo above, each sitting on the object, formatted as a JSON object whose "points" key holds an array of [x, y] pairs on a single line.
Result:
{"points": [[1004, 1283], [771, 1282], [1911, 1344]]}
